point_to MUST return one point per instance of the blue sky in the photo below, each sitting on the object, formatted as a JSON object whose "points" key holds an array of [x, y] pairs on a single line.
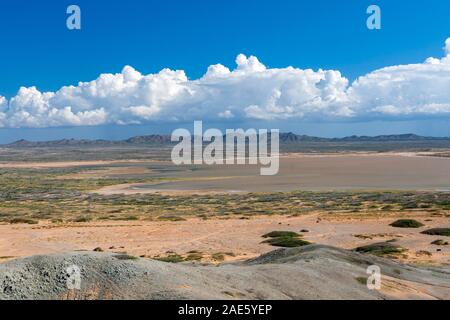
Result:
{"points": [[149, 35]]}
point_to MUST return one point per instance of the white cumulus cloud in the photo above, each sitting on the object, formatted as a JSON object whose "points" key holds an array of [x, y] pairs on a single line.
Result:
{"points": [[249, 91]]}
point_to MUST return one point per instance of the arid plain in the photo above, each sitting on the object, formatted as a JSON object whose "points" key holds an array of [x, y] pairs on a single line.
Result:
{"points": [[153, 209]]}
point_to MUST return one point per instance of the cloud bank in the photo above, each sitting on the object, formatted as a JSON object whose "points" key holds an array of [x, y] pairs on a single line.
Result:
{"points": [[249, 92]]}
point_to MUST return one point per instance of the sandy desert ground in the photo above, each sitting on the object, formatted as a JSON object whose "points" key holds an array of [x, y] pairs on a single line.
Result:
{"points": [[221, 213], [357, 171], [235, 239]]}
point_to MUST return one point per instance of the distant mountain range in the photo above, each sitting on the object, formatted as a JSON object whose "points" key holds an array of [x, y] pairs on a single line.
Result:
{"points": [[156, 139]]}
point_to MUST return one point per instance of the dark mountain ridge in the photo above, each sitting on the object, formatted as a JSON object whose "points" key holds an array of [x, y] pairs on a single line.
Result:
{"points": [[156, 139]]}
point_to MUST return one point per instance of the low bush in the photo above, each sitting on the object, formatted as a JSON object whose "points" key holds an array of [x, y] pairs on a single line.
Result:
{"points": [[287, 242], [381, 249], [438, 232], [125, 257], [277, 234], [440, 242], [406, 223]]}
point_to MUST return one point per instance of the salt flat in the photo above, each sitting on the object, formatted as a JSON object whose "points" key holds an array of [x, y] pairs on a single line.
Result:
{"points": [[391, 171]]}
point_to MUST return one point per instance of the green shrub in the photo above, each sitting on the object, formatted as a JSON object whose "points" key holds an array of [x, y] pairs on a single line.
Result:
{"points": [[287, 239], [277, 234], [438, 232], [381, 249], [440, 242], [287, 242], [125, 257], [406, 223], [172, 258]]}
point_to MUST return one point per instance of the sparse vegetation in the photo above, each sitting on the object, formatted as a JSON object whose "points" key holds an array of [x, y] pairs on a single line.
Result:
{"points": [[171, 218], [131, 218], [61, 195], [423, 253], [125, 257], [193, 257], [83, 219], [22, 220], [171, 258], [362, 280], [64, 196], [230, 254], [218, 256], [363, 236]]}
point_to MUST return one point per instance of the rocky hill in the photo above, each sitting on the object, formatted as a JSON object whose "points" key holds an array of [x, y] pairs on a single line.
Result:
{"points": [[310, 272]]}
